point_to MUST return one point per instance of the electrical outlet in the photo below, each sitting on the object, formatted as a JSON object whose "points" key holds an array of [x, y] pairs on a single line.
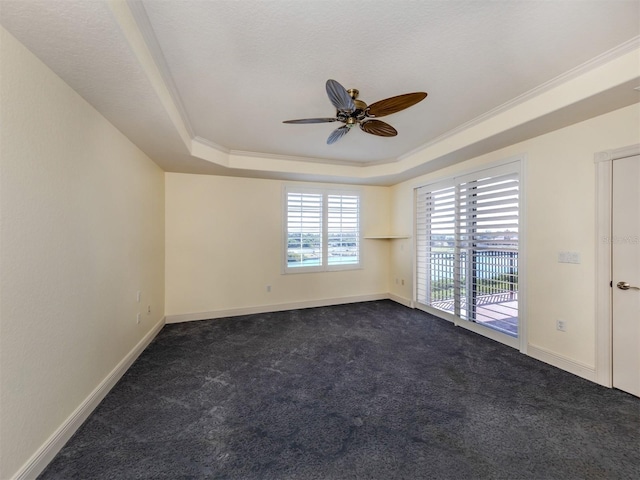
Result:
{"points": [[403, 281], [138, 318], [138, 296], [561, 325], [268, 288]]}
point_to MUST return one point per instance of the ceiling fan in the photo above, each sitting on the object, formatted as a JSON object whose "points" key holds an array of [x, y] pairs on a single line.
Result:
{"points": [[352, 111]]}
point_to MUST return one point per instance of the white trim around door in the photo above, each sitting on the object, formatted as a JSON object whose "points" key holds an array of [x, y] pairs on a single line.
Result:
{"points": [[604, 164]]}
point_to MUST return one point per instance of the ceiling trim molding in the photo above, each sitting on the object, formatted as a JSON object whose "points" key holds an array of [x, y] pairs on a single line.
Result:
{"points": [[133, 36], [294, 158], [148, 34], [561, 79], [209, 143]]}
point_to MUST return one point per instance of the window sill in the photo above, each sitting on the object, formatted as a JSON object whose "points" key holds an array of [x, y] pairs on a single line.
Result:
{"points": [[331, 269]]}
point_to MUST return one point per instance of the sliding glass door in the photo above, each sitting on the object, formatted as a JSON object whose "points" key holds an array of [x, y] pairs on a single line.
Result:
{"points": [[467, 248]]}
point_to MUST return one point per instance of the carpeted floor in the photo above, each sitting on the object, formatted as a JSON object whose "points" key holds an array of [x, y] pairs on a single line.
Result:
{"points": [[364, 391]]}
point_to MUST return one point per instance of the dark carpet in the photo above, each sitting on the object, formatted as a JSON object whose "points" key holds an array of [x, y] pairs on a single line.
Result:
{"points": [[372, 390]]}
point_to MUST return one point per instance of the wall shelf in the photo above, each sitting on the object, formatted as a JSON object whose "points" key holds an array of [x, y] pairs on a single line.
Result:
{"points": [[385, 237]]}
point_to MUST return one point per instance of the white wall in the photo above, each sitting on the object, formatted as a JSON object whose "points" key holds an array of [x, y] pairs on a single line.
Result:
{"points": [[224, 246], [82, 230], [560, 216]]}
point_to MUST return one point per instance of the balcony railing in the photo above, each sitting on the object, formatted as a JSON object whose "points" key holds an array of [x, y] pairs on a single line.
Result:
{"points": [[488, 282]]}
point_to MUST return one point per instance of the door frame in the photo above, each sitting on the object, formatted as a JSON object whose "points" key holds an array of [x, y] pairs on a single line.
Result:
{"points": [[604, 293]]}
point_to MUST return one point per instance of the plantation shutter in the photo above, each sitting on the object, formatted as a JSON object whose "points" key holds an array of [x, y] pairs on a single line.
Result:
{"points": [[467, 243], [435, 229], [488, 239], [322, 229], [304, 229], [343, 230]]}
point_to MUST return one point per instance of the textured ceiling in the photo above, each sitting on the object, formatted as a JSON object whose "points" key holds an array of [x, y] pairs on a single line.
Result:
{"points": [[234, 70], [243, 67]]}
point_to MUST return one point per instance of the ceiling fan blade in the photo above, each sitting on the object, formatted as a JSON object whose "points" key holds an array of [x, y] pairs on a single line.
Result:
{"points": [[337, 134], [312, 120], [378, 127], [340, 97], [394, 104]]}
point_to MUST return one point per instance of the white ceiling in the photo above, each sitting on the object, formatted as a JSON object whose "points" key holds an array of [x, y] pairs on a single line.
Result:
{"points": [[180, 77]]}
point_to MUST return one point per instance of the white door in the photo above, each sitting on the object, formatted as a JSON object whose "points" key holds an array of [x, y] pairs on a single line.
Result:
{"points": [[626, 274]]}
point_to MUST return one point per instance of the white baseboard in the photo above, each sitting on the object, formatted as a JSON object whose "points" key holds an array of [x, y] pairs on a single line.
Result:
{"points": [[39, 460], [234, 312], [587, 372], [401, 300]]}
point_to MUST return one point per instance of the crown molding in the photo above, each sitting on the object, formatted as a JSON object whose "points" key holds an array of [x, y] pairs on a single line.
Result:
{"points": [[565, 77], [294, 158], [148, 34], [209, 143]]}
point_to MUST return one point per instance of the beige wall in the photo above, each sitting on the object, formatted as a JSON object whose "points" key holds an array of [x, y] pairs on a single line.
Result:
{"points": [[82, 231], [559, 184], [224, 246]]}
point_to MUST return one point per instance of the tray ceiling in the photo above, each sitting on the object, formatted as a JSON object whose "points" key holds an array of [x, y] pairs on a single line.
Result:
{"points": [[194, 83]]}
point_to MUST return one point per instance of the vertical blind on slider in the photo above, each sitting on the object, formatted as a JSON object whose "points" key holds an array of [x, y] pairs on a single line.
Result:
{"points": [[304, 224], [343, 230]]}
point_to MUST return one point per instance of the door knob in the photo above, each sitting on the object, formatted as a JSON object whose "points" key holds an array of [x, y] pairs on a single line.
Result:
{"points": [[626, 286]]}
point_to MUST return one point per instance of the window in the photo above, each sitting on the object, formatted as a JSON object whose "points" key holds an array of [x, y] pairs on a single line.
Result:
{"points": [[322, 230], [467, 245]]}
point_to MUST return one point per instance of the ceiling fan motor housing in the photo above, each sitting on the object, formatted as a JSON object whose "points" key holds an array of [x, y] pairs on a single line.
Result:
{"points": [[357, 115]]}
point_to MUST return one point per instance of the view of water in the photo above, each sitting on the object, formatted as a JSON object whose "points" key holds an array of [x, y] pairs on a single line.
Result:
{"points": [[488, 264], [310, 262]]}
